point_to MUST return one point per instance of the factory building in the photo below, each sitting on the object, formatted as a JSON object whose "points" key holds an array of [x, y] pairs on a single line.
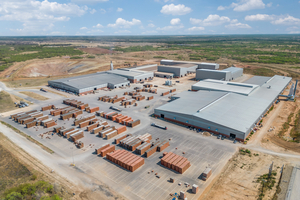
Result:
{"points": [[178, 70], [201, 65], [88, 83], [135, 74], [231, 111], [228, 74]]}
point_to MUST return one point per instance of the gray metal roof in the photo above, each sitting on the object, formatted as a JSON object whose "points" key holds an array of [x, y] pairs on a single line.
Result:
{"points": [[232, 69], [129, 73], [231, 110], [90, 80], [258, 80], [216, 85]]}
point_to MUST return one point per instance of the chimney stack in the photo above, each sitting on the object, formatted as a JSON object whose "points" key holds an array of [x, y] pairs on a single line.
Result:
{"points": [[111, 66]]}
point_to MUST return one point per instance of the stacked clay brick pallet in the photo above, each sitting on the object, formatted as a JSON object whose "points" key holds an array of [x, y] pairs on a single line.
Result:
{"points": [[126, 160], [175, 162]]}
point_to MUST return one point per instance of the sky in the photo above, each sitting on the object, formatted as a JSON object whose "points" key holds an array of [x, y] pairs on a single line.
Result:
{"points": [[148, 17]]}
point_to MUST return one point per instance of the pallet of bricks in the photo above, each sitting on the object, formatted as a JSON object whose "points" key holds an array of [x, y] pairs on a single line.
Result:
{"points": [[117, 140], [165, 93], [48, 123], [76, 136], [172, 90], [156, 146], [45, 108], [126, 160], [77, 122], [19, 116], [88, 122], [101, 126], [148, 85], [105, 149], [134, 123], [175, 162], [132, 142], [73, 113], [128, 102], [63, 132], [107, 131], [61, 111], [35, 122]]}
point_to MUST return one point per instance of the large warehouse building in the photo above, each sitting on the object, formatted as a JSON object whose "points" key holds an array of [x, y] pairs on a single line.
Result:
{"points": [[228, 74], [135, 74], [88, 83], [227, 110], [201, 65], [178, 70]]}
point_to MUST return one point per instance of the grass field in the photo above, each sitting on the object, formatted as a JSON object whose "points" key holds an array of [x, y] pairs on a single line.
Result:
{"points": [[35, 96], [19, 181], [6, 102]]}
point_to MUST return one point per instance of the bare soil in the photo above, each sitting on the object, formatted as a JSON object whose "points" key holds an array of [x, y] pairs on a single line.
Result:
{"points": [[96, 50], [238, 179], [35, 96]]}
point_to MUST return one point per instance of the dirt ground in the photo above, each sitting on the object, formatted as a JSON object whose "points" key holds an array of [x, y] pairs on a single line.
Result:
{"points": [[35, 96], [96, 50], [238, 179]]}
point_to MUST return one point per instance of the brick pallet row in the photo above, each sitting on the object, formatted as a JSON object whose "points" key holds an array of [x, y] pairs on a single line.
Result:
{"points": [[57, 129], [165, 93], [88, 122], [14, 116], [64, 131], [106, 131], [143, 148], [31, 124], [93, 126], [172, 90], [163, 146], [92, 110], [134, 123], [97, 151], [111, 134], [68, 134], [175, 162], [77, 136], [50, 124], [126, 160], [107, 150], [122, 129], [98, 129], [77, 122], [117, 140], [206, 174], [48, 107], [150, 98]]}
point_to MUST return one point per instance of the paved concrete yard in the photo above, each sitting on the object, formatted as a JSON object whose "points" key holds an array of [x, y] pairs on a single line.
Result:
{"points": [[201, 151]]}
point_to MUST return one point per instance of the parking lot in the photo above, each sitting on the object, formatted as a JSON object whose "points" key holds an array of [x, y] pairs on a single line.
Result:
{"points": [[200, 150]]}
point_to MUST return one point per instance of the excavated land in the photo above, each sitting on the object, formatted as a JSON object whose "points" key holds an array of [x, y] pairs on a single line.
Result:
{"points": [[238, 180]]}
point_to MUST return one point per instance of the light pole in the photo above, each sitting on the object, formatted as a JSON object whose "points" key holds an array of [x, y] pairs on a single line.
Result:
{"points": [[73, 164]]}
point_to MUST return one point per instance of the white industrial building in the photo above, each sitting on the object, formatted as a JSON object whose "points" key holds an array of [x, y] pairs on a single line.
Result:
{"points": [[201, 65], [232, 110], [228, 74], [89, 83], [135, 74], [178, 70]]}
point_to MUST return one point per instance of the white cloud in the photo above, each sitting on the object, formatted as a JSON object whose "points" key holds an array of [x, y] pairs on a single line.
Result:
{"points": [[170, 28], [165, 1], [175, 21], [195, 28], [211, 20], [287, 20], [93, 11], [259, 17], [151, 25], [102, 11], [88, 1], [244, 5], [172, 9], [119, 9], [38, 16], [276, 20], [293, 30], [221, 8], [237, 25], [122, 23], [269, 4], [83, 28], [98, 26]]}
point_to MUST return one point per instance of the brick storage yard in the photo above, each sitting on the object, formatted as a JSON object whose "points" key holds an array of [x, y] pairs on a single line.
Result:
{"points": [[149, 180]]}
